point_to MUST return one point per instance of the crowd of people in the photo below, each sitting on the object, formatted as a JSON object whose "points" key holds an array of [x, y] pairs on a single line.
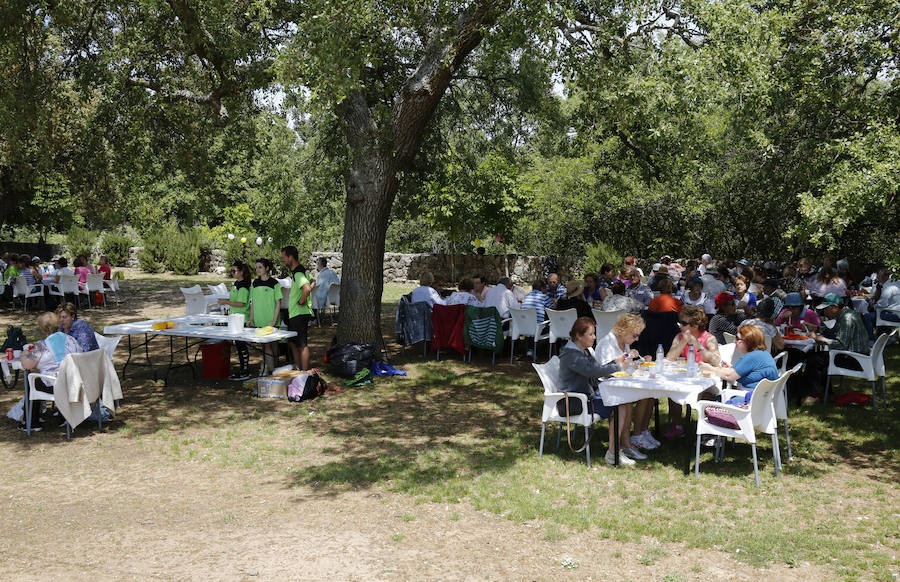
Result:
{"points": [[757, 305], [44, 276]]}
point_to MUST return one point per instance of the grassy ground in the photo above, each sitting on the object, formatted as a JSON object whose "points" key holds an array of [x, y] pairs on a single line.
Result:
{"points": [[466, 436]]}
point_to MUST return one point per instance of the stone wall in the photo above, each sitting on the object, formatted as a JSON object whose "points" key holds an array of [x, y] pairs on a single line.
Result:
{"points": [[404, 267]]}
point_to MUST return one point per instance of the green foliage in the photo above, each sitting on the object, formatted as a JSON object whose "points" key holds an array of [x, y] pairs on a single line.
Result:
{"points": [[116, 247], [152, 255], [81, 241], [184, 250], [599, 253]]}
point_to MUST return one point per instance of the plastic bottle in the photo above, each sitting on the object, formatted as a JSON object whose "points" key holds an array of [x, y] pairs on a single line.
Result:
{"points": [[691, 363], [660, 358]]}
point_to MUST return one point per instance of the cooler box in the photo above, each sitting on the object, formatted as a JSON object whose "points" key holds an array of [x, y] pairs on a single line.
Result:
{"points": [[216, 358]]}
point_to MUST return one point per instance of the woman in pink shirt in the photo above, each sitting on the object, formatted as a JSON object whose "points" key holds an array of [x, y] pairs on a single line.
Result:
{"points": [[81, 271]]}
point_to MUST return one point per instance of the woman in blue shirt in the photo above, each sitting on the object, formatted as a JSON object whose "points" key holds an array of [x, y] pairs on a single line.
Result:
{"points": [[757, 363]]}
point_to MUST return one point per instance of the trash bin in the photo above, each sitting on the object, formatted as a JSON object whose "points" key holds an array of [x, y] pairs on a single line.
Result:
{"points": [[216, 356]]}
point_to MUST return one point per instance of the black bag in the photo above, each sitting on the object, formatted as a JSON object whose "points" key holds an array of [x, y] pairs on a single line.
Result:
{"points": [[348, 359], [306, 387], [15, 339]]}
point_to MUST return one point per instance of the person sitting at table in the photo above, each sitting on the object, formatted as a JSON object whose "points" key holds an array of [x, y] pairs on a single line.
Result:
{"points": [[637, 290], [825, 282], [67, 314], [465, 294], [538, 300], [725, 320], [593, 293], [574, 299], [660, 273], [87, 265], [790, 282], [46, 357], [265, 307], [625, 331], [617, 300], [744, 300], [238, 302], [427, 290], [62, 269], [623, 276], [607, 272], [104, 268], [766, 312], [886, 295], [579, 372], [502, 297], [666, 301], [713, 283], [81, 271], [692, 321], [757, 363], [796, 315], [12, 269], [696, 296]]}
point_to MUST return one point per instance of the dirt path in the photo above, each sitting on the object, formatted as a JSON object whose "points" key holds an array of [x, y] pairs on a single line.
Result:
{"points": [[135, 514]]}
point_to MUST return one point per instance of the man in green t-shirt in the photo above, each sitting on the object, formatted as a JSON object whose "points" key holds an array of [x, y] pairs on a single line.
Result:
{"points": [[299, 307]]}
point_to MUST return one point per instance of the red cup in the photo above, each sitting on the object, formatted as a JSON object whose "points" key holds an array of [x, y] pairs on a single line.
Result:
{"points": [[9, 354]]}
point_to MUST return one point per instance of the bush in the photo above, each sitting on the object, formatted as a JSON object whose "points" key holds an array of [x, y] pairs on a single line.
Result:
{"points": [[599, 253], [151, 257], [81, 241], [115, 246], [183, 251]]}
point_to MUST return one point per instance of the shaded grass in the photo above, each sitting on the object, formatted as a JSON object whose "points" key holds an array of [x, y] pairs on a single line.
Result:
{"points": [[460, 433]]}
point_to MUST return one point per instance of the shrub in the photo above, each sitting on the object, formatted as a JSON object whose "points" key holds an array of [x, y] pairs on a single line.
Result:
{"points": [[599, 253], [152, 256], [81, 241], [115, 246], [183, 251]]}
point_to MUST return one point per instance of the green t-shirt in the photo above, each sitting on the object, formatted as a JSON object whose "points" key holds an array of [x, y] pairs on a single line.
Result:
{"points": [[294, 307], [240, 292], [264, 296], [11, 271]]}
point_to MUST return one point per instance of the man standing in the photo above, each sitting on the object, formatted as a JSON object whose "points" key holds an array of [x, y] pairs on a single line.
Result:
{"points": [[502, 297], [299, 307]]}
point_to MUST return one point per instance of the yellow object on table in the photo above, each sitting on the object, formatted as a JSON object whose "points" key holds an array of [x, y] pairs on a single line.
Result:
{"points": [[261, 331]]}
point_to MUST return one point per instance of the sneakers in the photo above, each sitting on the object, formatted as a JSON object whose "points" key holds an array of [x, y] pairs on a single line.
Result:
{"points": [[623, 458], [239, 376], [644, 441], [633, 453], [676, 432], [35, 427], [648, 438]]}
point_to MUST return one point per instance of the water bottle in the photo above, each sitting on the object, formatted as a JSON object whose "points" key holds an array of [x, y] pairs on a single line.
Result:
{"points": [[691, 363], [660, 358], [628, 356]]}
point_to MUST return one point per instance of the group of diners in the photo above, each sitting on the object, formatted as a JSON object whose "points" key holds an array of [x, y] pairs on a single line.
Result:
{"points": [[65, 334], [45, 275], [757, 305]]}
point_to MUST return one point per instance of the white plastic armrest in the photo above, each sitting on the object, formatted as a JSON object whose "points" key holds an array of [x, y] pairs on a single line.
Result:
{"points": [[736, 411], [34, 376], [562, 395], [862, 359]]}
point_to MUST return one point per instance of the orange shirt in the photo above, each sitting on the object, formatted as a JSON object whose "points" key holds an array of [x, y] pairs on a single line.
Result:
{"points": [[666, 302]]}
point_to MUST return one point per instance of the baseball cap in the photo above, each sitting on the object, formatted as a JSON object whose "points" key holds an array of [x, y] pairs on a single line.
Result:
{"points": [[793, 300], [722, 299], [829, 300]]}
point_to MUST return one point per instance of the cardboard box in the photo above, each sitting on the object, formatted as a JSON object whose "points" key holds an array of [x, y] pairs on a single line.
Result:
{"points": [[272, 387]]}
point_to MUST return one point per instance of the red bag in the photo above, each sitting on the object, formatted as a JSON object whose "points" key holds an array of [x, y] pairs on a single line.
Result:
{"points": [[852, 399]]}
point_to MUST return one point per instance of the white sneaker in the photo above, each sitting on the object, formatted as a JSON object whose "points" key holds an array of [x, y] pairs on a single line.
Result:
{"points": [[639, 442], [633, 453], [623, 459], [648, 438]]}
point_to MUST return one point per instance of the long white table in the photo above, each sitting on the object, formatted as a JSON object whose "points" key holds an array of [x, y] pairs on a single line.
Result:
{"points": [[200, 327]]}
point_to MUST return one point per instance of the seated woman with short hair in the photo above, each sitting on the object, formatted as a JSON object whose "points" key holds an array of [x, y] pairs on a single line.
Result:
{"points": [[578, 372], [465, 295], [46, 356], [79, 329], [757, 364]]}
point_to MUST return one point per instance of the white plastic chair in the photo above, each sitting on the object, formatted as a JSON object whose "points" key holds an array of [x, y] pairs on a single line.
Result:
{"points": [[549, 375], [68, 285], [94, 284], [606, 320], [194, 303], [108, 344], [729, 337], [26, 292], [780, 401], [112, 286], [872, 367], [561, 323], [333, 298], [316, 306], [524, 323], [760, 415], [886, 322]]}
